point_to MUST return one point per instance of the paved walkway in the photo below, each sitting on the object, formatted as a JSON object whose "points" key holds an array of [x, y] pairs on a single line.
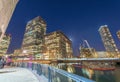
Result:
{"points": [[19, 75]]}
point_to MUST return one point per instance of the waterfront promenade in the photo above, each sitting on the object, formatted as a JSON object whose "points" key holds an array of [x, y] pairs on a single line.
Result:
{"points": [[15, 74], [34, 72]]}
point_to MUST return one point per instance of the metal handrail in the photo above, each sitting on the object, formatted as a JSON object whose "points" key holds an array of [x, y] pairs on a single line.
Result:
{"points": [[42, 69], [72, 76]]}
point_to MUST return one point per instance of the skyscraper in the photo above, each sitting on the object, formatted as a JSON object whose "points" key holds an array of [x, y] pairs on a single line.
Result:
{"points": [[108, 41], [6, 10], [33, 41]]}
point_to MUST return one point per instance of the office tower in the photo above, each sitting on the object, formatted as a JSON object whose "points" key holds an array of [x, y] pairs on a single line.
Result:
{"points": [[4, 44], [118, 34], [57, 46], [108, 41], [33, 41], [6, 10]]}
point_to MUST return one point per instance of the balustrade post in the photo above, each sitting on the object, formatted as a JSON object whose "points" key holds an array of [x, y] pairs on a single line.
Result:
{"points": [[49, 75]]}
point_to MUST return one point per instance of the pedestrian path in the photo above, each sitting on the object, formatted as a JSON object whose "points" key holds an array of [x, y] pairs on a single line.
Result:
{"points": [[15, 74]]}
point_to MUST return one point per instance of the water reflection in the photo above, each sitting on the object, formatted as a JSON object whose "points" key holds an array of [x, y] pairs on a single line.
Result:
{"points": [[57, 77], [88, 72], [70, 69], [96, 75]]}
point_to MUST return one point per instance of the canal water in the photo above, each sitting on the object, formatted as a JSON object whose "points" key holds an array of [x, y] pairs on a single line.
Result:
{"points": [[96, 75]]}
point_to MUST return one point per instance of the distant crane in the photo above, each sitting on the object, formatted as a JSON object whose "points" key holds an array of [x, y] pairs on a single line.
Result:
{"points": [[87, 44]]}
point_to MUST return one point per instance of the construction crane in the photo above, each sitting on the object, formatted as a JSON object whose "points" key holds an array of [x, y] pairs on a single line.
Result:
{"points": [[84, 44]]}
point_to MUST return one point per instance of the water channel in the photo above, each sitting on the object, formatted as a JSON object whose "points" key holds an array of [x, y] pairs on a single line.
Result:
{"points": [[96, 75]]}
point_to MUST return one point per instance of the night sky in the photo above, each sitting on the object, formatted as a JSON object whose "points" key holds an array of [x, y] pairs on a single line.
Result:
{"points": [[78, 19]]}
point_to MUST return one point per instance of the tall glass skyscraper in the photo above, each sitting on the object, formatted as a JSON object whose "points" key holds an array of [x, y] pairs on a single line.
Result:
{"points": [[108, 41], [6, 10], [33, 42]]}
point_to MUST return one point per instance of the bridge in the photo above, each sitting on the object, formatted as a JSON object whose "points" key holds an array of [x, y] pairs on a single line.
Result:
{"points": [[71, 60], [90, 59]]}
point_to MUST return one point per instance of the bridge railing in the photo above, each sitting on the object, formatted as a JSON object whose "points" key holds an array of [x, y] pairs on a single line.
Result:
{"points": [[89, 59], [53, 74]]}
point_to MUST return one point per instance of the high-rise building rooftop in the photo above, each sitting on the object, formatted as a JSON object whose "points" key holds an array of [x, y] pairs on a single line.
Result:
{"points": [[108, 41]]}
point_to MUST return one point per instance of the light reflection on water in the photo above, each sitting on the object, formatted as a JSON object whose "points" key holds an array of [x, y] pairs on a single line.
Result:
{"points": [[96, 75]]}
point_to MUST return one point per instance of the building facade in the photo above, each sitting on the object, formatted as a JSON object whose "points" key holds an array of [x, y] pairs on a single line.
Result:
{"points": [[108, 41], [6, 11], [88, 53], [102, 54], [17, 52], [4, 44], [118, 34], [57, 46], [33, 41]]}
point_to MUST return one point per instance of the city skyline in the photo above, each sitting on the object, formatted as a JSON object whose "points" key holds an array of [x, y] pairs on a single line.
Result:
{"points": [[72, 17]]}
